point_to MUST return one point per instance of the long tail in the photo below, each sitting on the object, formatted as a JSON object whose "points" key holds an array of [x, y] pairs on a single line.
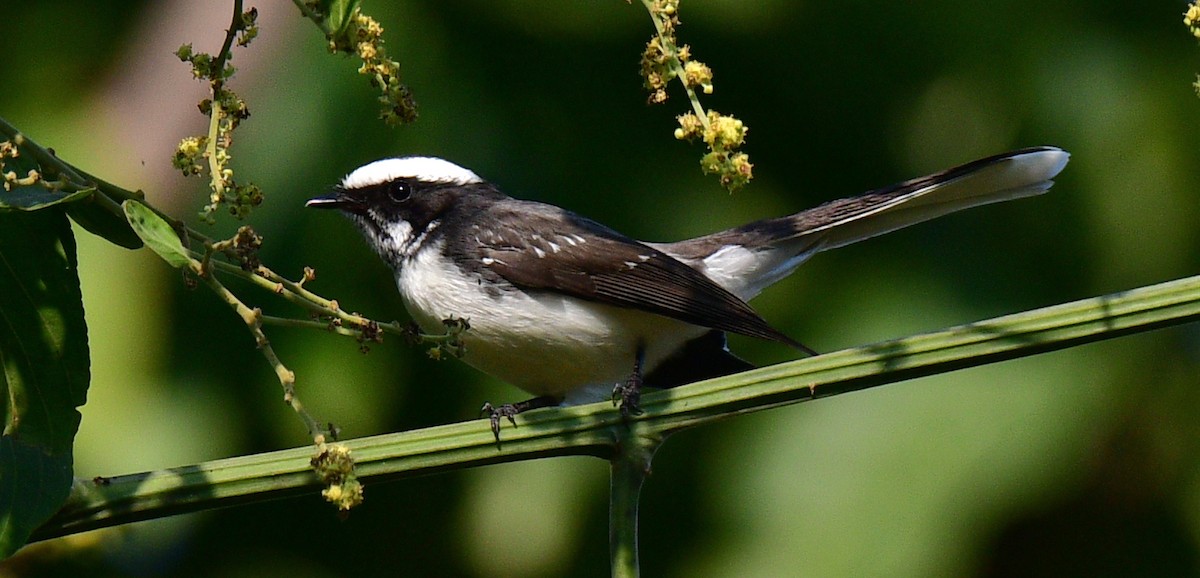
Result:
{"points": [[747, 259]]}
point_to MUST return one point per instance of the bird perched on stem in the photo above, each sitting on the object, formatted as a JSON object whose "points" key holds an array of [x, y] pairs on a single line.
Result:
{"points": [[572, 311]]}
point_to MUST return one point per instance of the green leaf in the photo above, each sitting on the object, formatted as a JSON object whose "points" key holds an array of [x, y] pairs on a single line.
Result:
{"points": [[339, 14], [93, 211], [44, 369], [98, 219], [34, 197], [157, 233]]}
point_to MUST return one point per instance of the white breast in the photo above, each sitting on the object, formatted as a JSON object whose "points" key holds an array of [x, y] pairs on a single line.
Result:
{"points": [[544, 343]]}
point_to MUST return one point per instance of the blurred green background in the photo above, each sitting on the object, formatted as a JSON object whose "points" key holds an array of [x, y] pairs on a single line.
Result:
{"points": [[1081, 462]]}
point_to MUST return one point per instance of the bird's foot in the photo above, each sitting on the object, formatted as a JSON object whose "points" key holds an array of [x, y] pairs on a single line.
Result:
{"points": [[509, 410], [628, 395], [495, 414]]}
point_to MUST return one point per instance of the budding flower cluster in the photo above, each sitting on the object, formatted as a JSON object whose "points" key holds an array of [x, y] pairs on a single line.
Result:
{"points": [[225, 110], [363, 36], [723, 134], [1191, 18], [335, 468], [663, 60]]}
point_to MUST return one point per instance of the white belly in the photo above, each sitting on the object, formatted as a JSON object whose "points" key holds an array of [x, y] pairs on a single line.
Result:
{"points": [[543, 343]]}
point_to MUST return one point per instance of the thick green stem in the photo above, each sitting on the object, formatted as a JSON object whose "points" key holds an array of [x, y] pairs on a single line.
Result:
{"points": [[594, 429], [630, 466]]}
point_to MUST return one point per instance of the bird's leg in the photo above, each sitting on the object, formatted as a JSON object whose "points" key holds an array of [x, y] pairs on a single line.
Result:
{"points": [[509, 410], [629, 394]]}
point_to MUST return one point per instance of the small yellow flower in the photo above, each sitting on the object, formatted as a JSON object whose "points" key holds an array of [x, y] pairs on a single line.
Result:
{"points": [[697, 73], [333, 493], [689, 126], [1192, 15], [724, 132]]}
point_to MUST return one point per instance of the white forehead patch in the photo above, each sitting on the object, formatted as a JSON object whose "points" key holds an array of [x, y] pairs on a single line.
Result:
{"points": [[429, 169]]}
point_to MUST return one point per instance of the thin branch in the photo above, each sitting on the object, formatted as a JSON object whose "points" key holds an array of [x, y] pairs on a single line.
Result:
{"points": [[53, 166], [287, 378], [307, 324], [596, 429], [216, 114], [212, 148], [226, 51], [348, 324], [294, 292], [672, 51]]}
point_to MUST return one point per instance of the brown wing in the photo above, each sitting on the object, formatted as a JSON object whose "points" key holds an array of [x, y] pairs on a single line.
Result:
{"points": [[556, 250]]}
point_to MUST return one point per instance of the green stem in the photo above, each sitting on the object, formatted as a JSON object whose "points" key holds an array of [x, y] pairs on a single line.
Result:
{"points": [[111, 501], [630, 467], [289, 290], [211, 149], [307, 324], [594, 429], [294, 293], [50, 163], [287, 378], [273, 286]]}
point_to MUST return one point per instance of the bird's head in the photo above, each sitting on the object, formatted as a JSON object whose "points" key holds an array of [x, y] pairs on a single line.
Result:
{"points": [[396, 202]]}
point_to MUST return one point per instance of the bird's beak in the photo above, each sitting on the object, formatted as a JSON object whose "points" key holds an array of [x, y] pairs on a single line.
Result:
{"points": [[325, 202], [338, 199]]}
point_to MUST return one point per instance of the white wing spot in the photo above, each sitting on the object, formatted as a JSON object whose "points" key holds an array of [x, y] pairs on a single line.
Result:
{"points": [[487, 261], [554, 246], [644, 258], [630, 264], [540, 253]]}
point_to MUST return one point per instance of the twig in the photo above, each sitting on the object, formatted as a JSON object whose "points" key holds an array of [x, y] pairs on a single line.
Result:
{"points": [[671, 50], [287, 378], [307, 324]]}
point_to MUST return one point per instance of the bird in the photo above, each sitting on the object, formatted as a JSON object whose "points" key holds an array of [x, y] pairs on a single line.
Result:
{"points": [[572, 311]]}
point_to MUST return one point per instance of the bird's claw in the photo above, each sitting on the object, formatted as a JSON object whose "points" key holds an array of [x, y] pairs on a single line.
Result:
{"points": [[628, 396], [495, 414]]}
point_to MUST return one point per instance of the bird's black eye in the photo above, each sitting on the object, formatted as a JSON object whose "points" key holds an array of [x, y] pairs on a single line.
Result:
{"points": [[399, 191]]}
